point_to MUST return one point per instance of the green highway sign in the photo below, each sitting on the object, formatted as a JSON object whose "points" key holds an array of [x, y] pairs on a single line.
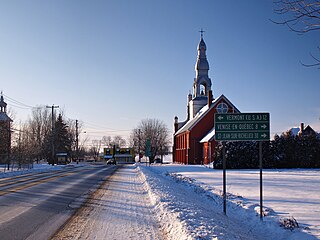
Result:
{"points": [[148, 148], [242, 126]]}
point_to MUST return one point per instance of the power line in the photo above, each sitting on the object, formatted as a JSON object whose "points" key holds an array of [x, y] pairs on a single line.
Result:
{"points": [[99, 128], [103, 131], [94, 124], [13, 105], [17, 102]]}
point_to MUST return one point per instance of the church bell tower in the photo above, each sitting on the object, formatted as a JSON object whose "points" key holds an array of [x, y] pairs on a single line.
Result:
{"points": [[202, 82]]}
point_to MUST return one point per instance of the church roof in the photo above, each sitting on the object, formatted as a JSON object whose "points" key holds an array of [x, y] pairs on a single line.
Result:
{"points": [[202, 112], [202, 62], [4, 117], [202, 44], [209, 136]]}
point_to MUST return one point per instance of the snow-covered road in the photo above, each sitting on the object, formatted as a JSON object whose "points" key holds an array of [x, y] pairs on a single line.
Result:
{"points": [[35, 205], [119, 209]]}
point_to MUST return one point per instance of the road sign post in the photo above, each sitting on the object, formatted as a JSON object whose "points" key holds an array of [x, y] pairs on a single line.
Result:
{"points": [[148, 150], [260, 166], [242, 127], [224, 178]]}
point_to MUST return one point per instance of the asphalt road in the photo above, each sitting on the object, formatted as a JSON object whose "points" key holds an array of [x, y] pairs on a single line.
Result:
{"points": [[36, 206]]}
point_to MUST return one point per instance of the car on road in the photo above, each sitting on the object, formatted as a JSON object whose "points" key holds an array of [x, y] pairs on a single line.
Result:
{"points": [[111, 162], [157, 160]]}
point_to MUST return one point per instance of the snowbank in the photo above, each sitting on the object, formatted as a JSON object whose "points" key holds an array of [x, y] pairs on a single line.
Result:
{"points": [[191, 209]]}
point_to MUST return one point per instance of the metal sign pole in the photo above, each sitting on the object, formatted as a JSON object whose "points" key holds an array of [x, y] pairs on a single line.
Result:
{"points": [[224, 179], [260, 163], [242, 127]]}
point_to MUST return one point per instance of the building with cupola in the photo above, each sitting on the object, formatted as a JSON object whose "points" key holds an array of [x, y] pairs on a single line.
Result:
{"points": [[5, 132], [193, 141]]}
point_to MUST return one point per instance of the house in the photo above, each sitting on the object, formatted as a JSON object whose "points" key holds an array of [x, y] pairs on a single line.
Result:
{"points": [[121, 155], [303, 131], [193, 141]]}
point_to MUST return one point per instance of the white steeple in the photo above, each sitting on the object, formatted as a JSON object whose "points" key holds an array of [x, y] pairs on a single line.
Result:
{"points": [[202, 82]]}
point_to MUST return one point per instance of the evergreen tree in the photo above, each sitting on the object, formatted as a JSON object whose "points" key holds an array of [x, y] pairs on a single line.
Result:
{"points": [[285, 151], [62, 139]]}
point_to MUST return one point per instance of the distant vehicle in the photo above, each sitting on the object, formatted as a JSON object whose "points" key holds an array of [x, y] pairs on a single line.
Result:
{"points": [[157, 160], [111, 162]]}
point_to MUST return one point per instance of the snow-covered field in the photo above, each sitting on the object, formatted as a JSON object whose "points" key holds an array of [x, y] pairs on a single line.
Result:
{"points": [[188, 200]]}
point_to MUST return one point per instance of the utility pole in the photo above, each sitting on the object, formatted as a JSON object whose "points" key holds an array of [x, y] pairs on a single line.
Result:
{"points": [[52, 131], [9, 145], [139, 145], [77, 142]]}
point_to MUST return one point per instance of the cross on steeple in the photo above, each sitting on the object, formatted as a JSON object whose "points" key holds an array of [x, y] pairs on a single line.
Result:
{"points": [[201, 32]]}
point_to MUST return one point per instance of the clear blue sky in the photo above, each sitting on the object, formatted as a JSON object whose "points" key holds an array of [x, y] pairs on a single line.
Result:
{"points": [[112, 63]]}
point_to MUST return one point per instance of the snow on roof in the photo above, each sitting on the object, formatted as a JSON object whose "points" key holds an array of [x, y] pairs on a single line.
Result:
{"points": [[209, 136], [192, 121], [295, 131], [61, 154], [189, 125]]}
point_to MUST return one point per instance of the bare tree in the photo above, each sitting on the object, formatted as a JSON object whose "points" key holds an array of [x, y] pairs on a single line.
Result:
{"points": [[156, 133], [300, 16], [82, 145], [106, 141], [119, 141], [73, 135], [95, 148], [38, 129], [23, 150]]}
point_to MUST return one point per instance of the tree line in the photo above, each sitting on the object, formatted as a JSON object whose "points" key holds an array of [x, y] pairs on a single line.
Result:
{"points": [[284, 151], [32, 140]]}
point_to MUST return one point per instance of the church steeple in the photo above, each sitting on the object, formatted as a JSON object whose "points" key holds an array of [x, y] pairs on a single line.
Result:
{"points": [[3, 104], [202, 82]]}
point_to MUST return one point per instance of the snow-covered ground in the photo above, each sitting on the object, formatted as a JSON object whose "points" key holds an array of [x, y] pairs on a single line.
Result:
{"points": [[188, 200], [36, 168], [188, 204]]}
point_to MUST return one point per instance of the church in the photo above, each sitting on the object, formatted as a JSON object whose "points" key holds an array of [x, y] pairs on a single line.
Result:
{"points": [[5, 132], [193, 141]]}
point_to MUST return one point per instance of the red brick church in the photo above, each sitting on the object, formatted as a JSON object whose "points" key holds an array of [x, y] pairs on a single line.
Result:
{"points": [[193, 141]]}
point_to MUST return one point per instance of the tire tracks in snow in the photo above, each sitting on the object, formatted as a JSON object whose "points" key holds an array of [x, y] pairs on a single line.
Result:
{"points": [[119, 209]]}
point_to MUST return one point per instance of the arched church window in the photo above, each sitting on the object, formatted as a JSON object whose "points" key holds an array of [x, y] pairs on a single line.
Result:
{"points": [[202, 90], [222, 108]]}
